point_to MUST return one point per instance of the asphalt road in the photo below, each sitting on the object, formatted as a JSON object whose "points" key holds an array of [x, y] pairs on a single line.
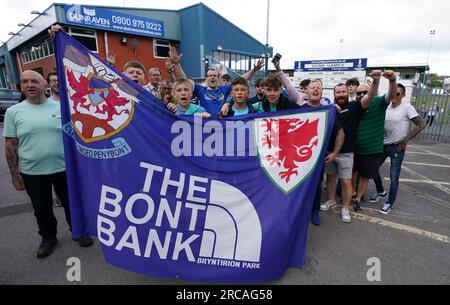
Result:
{"points": [[412, 243]]}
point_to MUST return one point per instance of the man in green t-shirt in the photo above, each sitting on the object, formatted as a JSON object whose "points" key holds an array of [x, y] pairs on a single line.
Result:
{"points": [[35, 156], [370, 137]]}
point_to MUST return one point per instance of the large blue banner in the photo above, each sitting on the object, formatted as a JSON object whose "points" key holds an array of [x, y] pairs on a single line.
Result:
{"points": [[217, 200], [104, 19]]}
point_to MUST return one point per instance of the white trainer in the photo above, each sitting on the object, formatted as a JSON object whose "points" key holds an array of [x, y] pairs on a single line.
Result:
{"points": [[346, 215], [327, 205]]}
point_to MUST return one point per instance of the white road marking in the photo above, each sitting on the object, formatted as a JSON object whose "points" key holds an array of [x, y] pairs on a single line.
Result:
{"points": [[431, 153], [426, 154], [421, 181], [427, 197], [400, 227], [439, 186], [428, 164]]}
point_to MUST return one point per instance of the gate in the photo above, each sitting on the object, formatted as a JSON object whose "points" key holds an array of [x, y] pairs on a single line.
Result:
{"points": [[433, 105]]}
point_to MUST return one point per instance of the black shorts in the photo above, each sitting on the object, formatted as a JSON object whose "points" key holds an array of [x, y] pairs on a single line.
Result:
{"points": [[367, 166]]}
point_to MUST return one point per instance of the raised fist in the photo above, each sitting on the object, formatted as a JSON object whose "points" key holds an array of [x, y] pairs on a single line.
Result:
{"points": [[390, 75], [375, 74]]}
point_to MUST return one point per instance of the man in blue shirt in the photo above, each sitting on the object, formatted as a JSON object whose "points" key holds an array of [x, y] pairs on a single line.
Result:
{"points": [[212, 96]]}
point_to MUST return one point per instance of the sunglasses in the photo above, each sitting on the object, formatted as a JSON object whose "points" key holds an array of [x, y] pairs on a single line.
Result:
{"points": [[361, 92], [398, 94]]}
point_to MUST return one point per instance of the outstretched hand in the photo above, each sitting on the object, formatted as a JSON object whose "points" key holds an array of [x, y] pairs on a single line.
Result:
{"points": [[259, 65], [111, 58], [174, 56]]}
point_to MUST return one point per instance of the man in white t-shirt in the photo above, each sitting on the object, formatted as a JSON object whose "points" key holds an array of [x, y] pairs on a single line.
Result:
{"points": [[397, 133]]}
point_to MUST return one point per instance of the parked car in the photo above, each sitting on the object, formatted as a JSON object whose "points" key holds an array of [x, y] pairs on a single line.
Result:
{"points": [[8, 98]]}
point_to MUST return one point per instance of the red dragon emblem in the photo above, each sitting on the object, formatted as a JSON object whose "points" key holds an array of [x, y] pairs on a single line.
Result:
{"points": [[289, 142], [95, 105]]}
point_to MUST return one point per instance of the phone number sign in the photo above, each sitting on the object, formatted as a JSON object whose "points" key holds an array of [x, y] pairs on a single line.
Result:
{"points": [[104, 19]]}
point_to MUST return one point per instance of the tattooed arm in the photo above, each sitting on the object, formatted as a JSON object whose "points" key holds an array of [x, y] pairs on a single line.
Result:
{"points": [[416, 130], [340, 137], [12, 157]]}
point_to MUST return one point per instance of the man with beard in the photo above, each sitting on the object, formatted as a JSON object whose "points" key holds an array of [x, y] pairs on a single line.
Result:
{"points": [[341, 165]]}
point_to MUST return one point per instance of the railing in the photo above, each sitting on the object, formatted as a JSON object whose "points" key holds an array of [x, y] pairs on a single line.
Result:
{"points": [[434, 108]]}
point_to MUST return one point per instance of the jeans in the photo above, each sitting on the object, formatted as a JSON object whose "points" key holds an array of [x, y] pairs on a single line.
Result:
{"points": [[39, 188], [396, 166]]}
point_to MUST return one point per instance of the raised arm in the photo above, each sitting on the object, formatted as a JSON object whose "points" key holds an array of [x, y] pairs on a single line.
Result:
{"points": [[296, 96], [111, 58], [170, 69], [175, 59], [373, 89], [258, 66], [12, 158], [392, 91]]}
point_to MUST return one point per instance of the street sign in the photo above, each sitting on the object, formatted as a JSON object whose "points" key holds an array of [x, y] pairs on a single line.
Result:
{"points": [[331, 72]]}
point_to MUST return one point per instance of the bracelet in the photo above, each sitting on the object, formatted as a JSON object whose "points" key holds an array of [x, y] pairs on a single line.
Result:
{"points": [[170, 71]]}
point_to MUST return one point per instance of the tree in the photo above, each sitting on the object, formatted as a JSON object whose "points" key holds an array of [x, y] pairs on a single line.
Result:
{"points": [[435, 82]]}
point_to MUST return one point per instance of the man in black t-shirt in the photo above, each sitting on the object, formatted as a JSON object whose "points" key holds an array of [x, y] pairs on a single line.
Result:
{"points": [[342, 163]]}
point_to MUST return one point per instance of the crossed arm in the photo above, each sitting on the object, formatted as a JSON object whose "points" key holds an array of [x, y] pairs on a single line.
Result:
{"points": [[12, 158]]}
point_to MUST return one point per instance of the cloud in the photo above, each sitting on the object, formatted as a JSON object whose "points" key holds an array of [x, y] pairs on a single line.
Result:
{"points": [[381, 30]]}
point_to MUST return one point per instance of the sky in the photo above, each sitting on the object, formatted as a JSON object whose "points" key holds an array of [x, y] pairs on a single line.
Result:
{"points": [[384, 31]]}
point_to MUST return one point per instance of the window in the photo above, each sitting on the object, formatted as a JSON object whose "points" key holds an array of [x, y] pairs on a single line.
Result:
{"points": [[37, 51], [85, 36], [161, 48]]}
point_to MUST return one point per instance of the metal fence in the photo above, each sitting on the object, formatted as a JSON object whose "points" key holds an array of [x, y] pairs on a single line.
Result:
{"points": [[433, 105]]}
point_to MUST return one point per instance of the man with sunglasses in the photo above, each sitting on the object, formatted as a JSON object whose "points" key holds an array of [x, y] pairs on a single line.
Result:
{"points": [[341, 165], [370, 137], [397, 133]]}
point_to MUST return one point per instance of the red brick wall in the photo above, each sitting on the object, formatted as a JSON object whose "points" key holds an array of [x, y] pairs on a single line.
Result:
{"points": [[47, 64], [124, 53]]}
